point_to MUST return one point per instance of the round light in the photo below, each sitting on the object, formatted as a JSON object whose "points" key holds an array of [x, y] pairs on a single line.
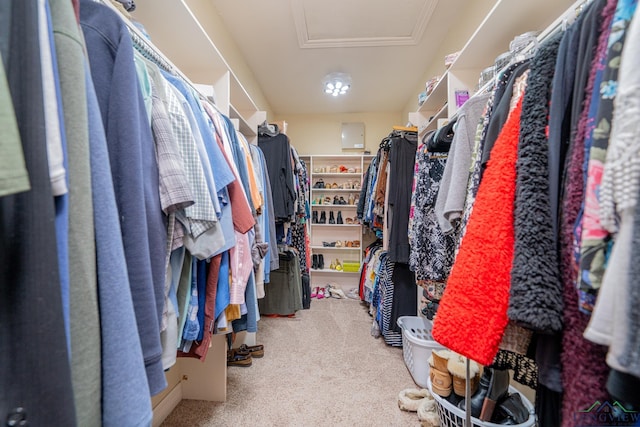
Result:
{"points": [[327, 90], [338, 84], [335, 93], [330, 86]]}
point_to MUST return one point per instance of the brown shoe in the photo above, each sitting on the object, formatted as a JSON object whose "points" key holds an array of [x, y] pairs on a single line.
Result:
{"points": [[255, 351], [235, 358]]}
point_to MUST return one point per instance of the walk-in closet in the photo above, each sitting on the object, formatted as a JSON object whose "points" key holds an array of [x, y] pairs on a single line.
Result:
{"points": [[303, 213]]}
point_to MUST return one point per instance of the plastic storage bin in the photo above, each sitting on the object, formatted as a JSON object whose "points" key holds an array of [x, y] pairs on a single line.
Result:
{"points": [[417, 344], [451, 416]]}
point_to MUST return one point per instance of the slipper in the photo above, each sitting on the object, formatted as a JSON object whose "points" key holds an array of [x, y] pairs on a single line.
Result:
{"points": [[411, 398], [314, 292], [321, 293]]}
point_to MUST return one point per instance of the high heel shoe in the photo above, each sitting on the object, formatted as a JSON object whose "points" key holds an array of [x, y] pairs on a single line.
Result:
{"points": [[338, 265], [323, 218], [332, 219], [339, 218], [498, 390]]}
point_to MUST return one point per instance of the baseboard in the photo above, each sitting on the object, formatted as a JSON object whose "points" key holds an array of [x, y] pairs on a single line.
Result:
{"points": [[167, 405]]}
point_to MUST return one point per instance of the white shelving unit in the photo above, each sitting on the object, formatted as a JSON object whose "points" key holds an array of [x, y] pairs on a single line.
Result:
{"points": [[321, 168], [506, 20]]}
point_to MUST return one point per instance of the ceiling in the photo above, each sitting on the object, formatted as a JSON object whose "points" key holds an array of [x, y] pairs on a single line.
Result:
{"points": [[385, 45]]}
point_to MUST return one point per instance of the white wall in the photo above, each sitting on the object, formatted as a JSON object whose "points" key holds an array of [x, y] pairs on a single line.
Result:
{"points": [[320, 133]]}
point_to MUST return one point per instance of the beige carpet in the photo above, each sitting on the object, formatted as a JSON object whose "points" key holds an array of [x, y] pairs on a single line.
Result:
{"points": [[322, 368]]}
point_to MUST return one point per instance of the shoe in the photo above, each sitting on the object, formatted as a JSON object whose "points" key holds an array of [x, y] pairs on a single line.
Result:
{"points": [[235, 358], [342, 201], [351, 200], [327, 201], [256, 351], [314, 217], [339, 244], [314, 292], [314, 262], [477, 399], [332, 266], [498, 390], [457, 366], [320, 262], [321, 293], [323, 218], [336, 292], [336, 200], [319, 183], [339, 218], [338, 265], [441, 381], [332, 219]]}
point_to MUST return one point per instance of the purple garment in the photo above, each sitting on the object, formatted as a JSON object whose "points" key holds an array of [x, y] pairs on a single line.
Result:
{"points": [[584, 370]]}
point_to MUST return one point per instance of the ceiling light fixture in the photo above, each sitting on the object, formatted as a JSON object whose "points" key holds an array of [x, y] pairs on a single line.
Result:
{"points": [[337, 84]]}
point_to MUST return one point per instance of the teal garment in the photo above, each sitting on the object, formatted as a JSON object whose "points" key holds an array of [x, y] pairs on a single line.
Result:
{"points": [[13, 173], [145, 82]]}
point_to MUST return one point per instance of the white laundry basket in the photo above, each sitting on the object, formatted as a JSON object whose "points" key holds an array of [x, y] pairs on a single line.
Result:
{"points": [[417, 344]]}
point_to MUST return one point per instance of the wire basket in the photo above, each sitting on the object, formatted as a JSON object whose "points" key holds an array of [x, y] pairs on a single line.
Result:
{"points": [[451, 416]]}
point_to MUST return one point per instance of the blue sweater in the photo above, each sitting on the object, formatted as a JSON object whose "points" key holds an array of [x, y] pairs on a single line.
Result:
{"points": [[135, 173], [125, 392]]}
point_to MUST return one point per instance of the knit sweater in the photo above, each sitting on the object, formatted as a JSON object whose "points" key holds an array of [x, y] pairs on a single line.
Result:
{"points": [[473, 311]]}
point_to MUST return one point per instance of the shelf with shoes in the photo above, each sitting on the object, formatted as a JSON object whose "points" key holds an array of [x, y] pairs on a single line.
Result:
{"points": [[335, 191]]}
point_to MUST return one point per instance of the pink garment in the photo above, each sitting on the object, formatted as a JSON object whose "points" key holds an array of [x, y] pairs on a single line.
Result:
{"points": [[241, 266]]}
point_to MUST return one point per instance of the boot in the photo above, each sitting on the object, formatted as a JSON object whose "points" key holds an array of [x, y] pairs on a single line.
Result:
{"points": [[323, 218], [477, 399], [441, 381], [320, 262], [332, 219], [314, 263], [457, 367], [498, 390], [314, 217], [339, 218]]}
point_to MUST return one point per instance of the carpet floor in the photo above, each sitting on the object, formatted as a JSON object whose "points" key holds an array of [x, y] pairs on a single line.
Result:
{"points": [[321, 368]]}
